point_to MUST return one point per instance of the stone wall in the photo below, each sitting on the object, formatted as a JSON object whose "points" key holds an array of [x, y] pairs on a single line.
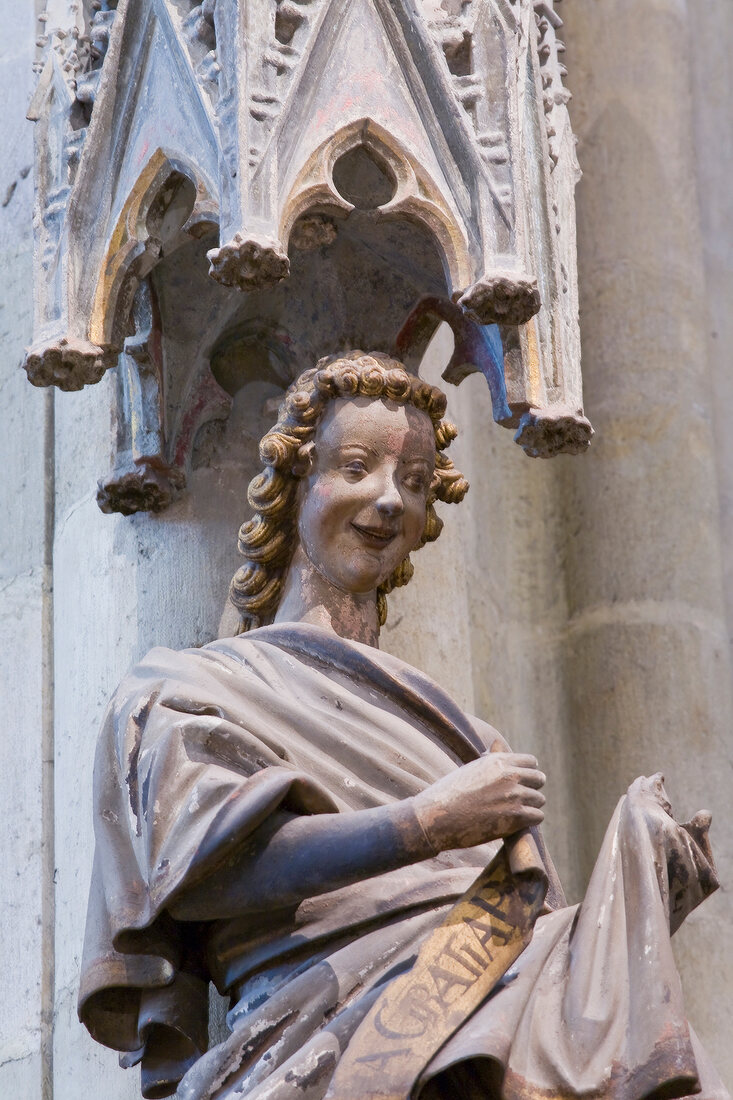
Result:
{"points": [[582, 605], [25, 672]]}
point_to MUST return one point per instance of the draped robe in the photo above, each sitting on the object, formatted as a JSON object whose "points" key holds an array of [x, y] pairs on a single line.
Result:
{"points": [[200, 749]]}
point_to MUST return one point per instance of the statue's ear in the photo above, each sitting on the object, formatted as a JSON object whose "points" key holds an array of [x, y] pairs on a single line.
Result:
{"points": [[304, 460]]}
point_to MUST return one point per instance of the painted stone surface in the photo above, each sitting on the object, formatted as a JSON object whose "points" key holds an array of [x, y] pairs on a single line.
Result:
{"points": [[312, 826]]}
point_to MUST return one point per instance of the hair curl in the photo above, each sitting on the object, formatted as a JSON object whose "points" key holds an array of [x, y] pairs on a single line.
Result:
{"points": [[268, 539]]}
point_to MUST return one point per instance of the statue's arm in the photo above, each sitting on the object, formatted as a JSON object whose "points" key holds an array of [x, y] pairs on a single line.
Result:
{"points": [[292, 857]]}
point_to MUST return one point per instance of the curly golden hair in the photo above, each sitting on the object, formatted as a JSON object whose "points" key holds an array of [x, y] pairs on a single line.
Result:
{"points": [[268, 540]]}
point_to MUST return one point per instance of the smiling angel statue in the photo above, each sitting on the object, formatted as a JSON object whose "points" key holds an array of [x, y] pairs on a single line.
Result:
{"points": [[355, 863]]}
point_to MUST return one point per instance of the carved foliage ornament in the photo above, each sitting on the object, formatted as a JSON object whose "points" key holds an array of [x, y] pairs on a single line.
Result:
{"points": [[283, 143]]}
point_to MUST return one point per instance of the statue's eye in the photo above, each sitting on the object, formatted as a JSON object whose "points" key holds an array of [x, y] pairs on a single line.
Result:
{"points": [[416, 483], [356, 466]]}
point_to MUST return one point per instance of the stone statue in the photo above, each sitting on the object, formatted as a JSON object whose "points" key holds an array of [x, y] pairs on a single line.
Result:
{"points": [[295, 816]]}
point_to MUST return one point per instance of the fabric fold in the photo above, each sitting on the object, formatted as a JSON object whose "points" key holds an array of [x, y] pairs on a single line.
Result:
{"points": [[200, 749]]}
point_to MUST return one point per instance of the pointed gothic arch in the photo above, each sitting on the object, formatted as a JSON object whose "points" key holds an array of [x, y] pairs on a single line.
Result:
{"points": [[416, 197], [168, 199]]}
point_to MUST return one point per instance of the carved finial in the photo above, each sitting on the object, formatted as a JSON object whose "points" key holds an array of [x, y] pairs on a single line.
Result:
{"points": [[249, 263], [69, 363], [313, 231], [501, 298], [544, 433], [146, 487]]}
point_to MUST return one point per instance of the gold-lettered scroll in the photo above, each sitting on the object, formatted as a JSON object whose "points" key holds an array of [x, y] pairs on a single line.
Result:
{"points": [[457, 967]]}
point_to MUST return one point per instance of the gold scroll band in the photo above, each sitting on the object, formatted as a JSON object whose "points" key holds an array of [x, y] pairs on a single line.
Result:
{"points": [[456, 968]]}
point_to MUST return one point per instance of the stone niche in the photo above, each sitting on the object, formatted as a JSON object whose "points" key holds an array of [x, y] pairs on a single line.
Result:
{"points": [[228, 191]]}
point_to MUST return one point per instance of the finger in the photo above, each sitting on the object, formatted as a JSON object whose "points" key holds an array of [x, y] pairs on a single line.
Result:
{"points": [[531, 777], [512, 823], [530, 816], [521, 760], [531, 797], [522, 798]]}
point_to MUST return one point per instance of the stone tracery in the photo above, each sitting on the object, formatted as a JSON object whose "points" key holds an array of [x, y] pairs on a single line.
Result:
{"points": [[464, 102]]}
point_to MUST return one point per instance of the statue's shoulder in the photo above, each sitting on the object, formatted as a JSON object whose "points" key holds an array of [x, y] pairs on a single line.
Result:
{"points": [[165, 670], [198, 670]]}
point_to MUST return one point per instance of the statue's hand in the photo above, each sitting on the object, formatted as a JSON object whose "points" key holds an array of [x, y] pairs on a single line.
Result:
{"points": [[491, 797]]}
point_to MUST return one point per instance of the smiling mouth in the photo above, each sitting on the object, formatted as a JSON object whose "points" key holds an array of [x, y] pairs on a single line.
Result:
{"points": [[375, 536]]}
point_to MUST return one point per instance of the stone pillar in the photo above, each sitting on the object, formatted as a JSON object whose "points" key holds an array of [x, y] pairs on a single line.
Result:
{"points": [[647, 654], [711, 43]]}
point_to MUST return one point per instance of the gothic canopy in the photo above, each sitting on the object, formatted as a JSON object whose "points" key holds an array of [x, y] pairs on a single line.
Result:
{"points": [[250, 184]]}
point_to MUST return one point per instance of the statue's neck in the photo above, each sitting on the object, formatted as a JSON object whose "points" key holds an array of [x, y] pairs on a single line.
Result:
{"points": [[308, 597]]}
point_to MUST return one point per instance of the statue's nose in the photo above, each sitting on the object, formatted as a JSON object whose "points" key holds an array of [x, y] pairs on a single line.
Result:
{"points": [[389, 502]]}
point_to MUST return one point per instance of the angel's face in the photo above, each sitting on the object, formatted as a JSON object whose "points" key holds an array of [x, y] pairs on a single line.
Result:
{"points": [[364, 497]]}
